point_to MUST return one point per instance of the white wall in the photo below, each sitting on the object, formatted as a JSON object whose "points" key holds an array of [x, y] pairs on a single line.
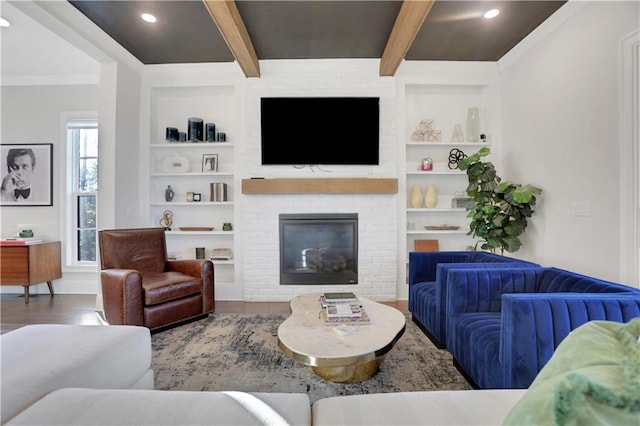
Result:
{"points": [[559, 113]]}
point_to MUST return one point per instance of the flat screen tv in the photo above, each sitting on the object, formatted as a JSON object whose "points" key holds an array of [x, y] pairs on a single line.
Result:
{"points": [[320, 131]]}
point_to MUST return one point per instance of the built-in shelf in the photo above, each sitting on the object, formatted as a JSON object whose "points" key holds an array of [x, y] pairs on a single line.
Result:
{"points": [[321, 186]]}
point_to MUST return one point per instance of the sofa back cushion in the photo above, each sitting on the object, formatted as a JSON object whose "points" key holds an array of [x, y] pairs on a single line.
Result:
{"points": [[142, 249], [554, 280]]}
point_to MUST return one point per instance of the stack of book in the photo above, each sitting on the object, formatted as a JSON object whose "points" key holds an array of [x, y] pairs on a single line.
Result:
{"points": [[17, 241], [343, 309]]}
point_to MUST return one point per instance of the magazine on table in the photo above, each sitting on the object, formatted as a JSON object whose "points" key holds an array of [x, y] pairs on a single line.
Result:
{"points": [[349, 310], [334, 321]]}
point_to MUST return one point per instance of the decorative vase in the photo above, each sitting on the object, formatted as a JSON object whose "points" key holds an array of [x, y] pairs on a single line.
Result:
{"points": [[415, 197], [473, 125], [457, 135], [431, 197]]}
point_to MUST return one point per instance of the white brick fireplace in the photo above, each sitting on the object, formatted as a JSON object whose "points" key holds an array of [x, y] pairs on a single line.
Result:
{"points": [[377, 213]]}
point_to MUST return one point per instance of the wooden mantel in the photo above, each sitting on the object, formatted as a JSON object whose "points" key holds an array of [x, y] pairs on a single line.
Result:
{"points": [[320, 186]]}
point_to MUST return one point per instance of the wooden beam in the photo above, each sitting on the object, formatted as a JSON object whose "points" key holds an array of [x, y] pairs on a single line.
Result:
{"points": [[227, 17], [412, 15]]}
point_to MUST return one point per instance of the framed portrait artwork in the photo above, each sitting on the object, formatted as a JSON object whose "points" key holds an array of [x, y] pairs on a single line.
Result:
{"points": [[27, 174], [209, 163]]}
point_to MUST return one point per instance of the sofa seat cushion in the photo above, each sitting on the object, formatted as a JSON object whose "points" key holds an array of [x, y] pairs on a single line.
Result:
{"points": [[37, 359], [592, 378], [469, 407], [74, 406], [477, 348], [168, 286]]}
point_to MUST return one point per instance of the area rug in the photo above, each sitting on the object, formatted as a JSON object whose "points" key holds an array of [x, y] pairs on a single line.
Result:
{"points": [[240, 352]]}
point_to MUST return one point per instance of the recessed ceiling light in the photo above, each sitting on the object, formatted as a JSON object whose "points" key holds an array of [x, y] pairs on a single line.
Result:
{"points": [[4, 23], [148, 17], [489, 14]]}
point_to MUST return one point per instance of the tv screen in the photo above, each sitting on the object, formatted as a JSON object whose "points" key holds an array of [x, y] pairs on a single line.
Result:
{"points": [[320, 131]]}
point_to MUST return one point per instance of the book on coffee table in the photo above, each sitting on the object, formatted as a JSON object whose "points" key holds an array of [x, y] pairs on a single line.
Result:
{"points": [[363, 319], [348, 310], [346, 297]]}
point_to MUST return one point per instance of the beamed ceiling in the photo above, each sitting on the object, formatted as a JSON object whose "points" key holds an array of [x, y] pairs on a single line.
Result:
{"points": [[246, 31]]}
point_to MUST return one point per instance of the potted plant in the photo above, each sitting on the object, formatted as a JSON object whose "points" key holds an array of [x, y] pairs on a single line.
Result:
{"points": [[501, 209]]}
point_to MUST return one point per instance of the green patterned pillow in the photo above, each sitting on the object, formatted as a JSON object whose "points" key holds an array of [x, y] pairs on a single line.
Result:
{"points": [[593, 377]]}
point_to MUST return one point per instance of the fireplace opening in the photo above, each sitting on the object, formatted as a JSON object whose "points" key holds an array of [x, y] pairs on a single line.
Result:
{"points": [[319, 248]]}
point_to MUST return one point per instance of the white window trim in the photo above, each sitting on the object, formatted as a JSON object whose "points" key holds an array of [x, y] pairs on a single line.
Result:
{"points": [[67, 227]]}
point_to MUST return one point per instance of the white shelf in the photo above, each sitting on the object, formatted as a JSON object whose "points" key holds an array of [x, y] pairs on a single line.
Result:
{"points": [[188, 145], [448, 144], [214, 232], [437, 172], [426, 231], [191, 174], [194, 203], [434, 210]]}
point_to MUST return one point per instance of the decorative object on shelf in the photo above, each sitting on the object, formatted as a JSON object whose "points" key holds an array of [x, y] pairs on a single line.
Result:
{"points": [[427, 164], [458, 134], [411, 226], [426, 245], [182, 136], [442, 228], [199, 252], [501, 209], [426, 132], [461, 200], [169, 193], [172, 135], [194, 129], [221, 137], [483, 138], [209, 162], [218, 191], [167, 220], [196, 228], [211, 132], [197, 196], [177, 164], [221, 254], [26, 233], [473, 124], [227, 226], [431, 196], [415, 197], [455, 156]]}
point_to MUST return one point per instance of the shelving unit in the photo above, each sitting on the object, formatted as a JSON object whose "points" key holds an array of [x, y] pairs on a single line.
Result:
{"points": [[446, 105], [172, 107]]}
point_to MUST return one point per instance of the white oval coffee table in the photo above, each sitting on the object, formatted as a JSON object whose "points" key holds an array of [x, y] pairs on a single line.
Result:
{"points": [[335, 357]]}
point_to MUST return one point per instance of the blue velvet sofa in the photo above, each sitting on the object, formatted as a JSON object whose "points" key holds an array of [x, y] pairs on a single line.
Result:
{"points": [[503, 324], [427, 289]]}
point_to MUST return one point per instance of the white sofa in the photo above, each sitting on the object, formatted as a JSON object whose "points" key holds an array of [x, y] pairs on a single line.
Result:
{"points": [[50, 378]]}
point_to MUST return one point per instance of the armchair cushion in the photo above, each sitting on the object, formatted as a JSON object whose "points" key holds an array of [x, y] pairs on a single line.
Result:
{"points": [[593, 378]]}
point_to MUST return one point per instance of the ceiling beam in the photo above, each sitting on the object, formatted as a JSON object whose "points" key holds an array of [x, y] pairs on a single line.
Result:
{"points": [[410, 18], [227, 17]]}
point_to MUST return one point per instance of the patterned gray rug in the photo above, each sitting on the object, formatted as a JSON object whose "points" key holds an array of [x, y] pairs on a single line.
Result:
{"points": [[240, 352]]}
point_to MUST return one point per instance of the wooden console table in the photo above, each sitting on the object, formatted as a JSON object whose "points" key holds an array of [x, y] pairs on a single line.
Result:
{"points": [[30, 264]]}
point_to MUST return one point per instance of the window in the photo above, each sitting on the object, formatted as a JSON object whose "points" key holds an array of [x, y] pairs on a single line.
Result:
{"points": [[82, 144]]}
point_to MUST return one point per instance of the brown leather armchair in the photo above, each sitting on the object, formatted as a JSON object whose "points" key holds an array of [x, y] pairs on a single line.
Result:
{"points": [[140, 286]]}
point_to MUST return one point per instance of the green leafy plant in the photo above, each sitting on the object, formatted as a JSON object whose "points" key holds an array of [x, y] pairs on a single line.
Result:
{"points": [[502, 209]]}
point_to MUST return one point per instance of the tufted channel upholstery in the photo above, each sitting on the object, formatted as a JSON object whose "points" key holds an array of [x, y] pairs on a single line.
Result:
{"points": [[140, 286], [427, 284], [503, 324]]}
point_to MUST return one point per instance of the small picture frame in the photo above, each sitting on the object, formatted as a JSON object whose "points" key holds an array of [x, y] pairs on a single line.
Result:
{"points": [[209, 163], [27, 174]]}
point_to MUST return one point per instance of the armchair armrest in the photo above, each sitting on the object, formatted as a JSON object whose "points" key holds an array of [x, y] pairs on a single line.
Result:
{"points": [[202, 269], [123, 296], [533, 325]]}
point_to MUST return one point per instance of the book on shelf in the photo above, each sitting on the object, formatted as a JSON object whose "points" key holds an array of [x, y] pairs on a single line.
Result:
{"points": [[349, 310], [17, 241]]}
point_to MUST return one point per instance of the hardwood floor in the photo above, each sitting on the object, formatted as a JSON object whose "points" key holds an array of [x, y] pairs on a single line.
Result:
{"points": [[80, 309]]}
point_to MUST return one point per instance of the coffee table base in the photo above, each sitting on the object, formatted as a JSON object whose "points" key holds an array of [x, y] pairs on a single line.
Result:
{"points": [[349, 374]]}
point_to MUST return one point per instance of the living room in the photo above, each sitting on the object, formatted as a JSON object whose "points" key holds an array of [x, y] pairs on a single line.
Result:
{"points": [[554, 101]]}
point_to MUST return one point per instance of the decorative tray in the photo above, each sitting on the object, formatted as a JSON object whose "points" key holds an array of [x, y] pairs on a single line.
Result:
{"points": [[196, 228], [442, 228]]}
